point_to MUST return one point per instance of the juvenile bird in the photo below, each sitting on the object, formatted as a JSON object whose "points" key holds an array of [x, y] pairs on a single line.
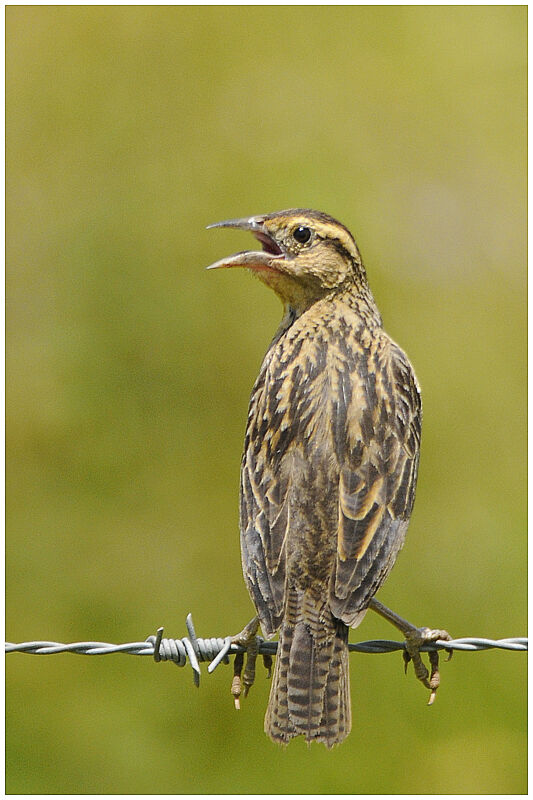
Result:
{"points": [[329, 466]]}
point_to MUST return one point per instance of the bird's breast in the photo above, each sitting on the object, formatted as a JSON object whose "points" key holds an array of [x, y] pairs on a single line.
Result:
{"points": [[315, 384]]}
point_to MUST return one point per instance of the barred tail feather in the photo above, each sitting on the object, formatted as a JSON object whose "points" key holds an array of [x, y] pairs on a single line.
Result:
{"points": [[310, 693]]}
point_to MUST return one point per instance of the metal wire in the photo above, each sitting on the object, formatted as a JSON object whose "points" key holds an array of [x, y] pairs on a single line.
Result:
{"points": [[193, 649]]}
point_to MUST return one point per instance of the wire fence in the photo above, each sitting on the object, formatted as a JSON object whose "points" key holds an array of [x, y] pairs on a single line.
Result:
{"points": [[193, 649]]}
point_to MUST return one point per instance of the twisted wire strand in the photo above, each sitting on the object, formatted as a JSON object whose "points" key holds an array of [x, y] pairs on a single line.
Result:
{"points": [[174, 649], [193, 650]]}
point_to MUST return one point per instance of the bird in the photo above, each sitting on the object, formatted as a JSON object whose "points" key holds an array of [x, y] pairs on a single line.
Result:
{"points": [[329, 467]]}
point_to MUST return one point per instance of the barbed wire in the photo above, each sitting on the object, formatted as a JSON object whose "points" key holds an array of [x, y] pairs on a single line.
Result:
{"points": [[194, 649]]}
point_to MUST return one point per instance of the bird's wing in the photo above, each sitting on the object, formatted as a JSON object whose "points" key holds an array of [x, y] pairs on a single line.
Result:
{"points": [[279, 473], [264, 498], [377, 437]]}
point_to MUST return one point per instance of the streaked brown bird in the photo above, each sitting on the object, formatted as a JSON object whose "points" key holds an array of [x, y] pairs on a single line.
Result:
{"points": [[329, 467]]}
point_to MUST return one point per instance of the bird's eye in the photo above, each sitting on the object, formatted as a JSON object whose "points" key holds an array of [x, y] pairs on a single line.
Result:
{"points": [[302, 234]]}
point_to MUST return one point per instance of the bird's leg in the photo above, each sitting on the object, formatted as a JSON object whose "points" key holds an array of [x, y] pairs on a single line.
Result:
{"points": [[415, 638], [248, 639]]}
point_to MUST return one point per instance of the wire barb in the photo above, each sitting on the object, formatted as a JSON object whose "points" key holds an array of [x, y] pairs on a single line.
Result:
{"points": [[157, 645]]}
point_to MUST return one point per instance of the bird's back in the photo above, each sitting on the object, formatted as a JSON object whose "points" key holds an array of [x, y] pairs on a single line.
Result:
{"points": [[329, 467]]}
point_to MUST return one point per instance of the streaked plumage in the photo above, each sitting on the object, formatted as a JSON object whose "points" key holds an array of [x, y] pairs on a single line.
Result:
{"points": [[329, 466]]}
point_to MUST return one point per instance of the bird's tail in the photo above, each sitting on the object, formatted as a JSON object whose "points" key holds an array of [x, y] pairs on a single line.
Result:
{"points": [[310, 693]]}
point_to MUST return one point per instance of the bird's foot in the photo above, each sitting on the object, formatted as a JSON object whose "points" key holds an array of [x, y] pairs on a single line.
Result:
{"points": [[415, 639], [242, 681]]}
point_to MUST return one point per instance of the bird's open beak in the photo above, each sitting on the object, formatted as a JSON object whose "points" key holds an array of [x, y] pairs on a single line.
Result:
{"points": [[253, 259]]}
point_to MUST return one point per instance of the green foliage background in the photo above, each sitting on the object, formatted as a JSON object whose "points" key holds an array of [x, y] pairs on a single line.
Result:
{"points": [[129, 129]]}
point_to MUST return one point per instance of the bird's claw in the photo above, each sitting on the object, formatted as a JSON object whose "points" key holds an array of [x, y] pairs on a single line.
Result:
{"points": [[243, 681], [415, 639]]}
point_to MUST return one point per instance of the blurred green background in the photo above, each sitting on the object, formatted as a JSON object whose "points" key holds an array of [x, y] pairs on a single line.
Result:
{"points": [[129, 368]]}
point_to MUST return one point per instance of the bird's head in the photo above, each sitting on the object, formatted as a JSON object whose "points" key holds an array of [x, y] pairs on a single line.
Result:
{"points": [[305, 255]]}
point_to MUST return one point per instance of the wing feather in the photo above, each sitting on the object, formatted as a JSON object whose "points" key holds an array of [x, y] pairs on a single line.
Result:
{"points": [[264, 526], [377, 480]]}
